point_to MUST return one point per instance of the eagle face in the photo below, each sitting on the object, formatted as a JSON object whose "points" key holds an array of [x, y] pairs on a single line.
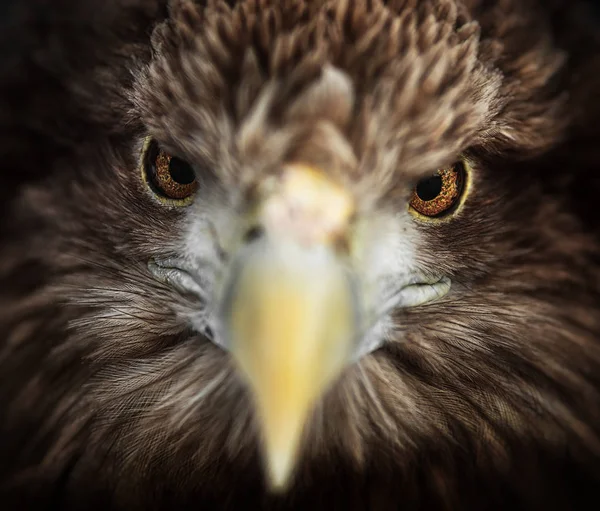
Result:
{"points": [[316, 243], [304, 232]]}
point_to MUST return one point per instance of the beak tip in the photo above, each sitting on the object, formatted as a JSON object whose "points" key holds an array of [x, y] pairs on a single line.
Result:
{"points": [[280, 471]]}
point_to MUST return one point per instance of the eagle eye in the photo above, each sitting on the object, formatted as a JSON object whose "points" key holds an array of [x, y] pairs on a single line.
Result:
{"points": [[170, 178], [438, 195]]}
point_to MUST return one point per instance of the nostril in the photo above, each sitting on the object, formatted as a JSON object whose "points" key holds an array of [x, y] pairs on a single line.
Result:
{"points": [[253, 233]]}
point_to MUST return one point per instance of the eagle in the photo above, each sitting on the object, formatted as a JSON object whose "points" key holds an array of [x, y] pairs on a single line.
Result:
{"points": [[300, 254]]}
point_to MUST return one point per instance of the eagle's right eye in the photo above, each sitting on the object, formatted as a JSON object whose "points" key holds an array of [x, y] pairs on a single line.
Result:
{"points": [[170, 178]]}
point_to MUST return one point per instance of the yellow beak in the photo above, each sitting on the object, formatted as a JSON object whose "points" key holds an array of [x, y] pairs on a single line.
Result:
{"points": [[292, 322]]}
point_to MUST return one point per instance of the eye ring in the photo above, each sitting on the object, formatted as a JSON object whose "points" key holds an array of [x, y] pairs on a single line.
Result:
{"points": [[171, 179], [438, 196]]}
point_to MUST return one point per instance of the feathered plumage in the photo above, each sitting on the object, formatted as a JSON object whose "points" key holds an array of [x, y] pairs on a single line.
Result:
{"points": [[117, 392]]}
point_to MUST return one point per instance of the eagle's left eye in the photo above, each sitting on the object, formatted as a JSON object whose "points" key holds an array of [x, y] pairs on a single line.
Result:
{"points": [[169, 177], [437, 196]]}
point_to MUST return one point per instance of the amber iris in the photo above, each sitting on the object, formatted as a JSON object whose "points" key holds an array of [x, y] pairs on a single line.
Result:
{"points": [[169, 176], [437, 195]]}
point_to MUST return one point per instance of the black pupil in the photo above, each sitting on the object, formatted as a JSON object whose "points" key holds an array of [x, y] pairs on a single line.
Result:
{"points": [[181, 171], [428, 189]]}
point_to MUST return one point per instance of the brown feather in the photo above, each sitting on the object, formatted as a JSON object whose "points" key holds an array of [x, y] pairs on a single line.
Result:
{"points": [[487, 399]]}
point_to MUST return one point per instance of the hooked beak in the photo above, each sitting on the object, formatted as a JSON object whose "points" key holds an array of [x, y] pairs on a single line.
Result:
{"points": [[291, 314]]}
